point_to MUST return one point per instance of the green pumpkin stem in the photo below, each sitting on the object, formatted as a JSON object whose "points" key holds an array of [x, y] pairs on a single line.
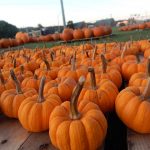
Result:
{"points": [[2, 77], [93, 79], [41, 88], [104, 63], [17, 83], [74, 113]]}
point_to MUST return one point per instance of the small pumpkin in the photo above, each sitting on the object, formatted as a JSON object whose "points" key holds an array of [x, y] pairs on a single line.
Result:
{"points": [[103, 93], [35, 111], [131, 67], [133, 107], [11, 100], [83, 125], [140, 78]]}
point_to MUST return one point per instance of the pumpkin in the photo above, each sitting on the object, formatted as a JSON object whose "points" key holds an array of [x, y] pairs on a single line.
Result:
{"points": [[67, 34], [88, 33], [31, 82], [5, 84], [131, 67], [11, 100], [49, 72], [63, 89], [78, 34], [83, 126], [133, 108], [140, 78], [34, 112], [98, 31], [104, 93]]}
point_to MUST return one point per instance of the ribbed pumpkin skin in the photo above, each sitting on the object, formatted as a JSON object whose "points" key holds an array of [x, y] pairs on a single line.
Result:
{"points": [[10, 101], [138, 79], [133, 111], [78, 34], [105, 95], [64, 89], [67, 34], [86, 133], [34, 116], [88, 33], [98, 31], [131, 67]]}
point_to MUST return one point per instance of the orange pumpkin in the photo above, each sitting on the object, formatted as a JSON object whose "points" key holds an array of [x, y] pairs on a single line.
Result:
{"points": [[34, 112], [133, 108], [83, 126], [11, 100], [104, 93]]}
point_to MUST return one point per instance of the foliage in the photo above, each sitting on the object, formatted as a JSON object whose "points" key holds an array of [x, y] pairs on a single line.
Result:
{"points": [[7, 30]]}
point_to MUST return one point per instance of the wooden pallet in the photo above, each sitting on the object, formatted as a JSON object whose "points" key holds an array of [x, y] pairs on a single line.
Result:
{"points": [[138, 141], [14, 137]]}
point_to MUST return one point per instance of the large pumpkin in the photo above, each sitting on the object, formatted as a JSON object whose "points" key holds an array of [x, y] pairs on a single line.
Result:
{"points": [[88, 33], [77, 127], [98, 31], [67, 34], [78, 34], [35, 111]]}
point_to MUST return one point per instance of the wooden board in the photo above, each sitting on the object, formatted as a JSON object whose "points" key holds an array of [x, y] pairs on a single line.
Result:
{"points": [[14, 137], [138, 141]]}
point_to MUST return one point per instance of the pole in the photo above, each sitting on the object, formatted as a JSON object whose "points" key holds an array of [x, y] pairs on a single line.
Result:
{"points": [[63, 13]]}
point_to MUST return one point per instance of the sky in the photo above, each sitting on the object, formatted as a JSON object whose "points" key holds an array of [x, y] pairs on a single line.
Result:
{"points": [[23, 13]]}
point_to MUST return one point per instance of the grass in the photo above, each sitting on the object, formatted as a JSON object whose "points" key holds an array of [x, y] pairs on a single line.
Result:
{"points": [[118, 36]]}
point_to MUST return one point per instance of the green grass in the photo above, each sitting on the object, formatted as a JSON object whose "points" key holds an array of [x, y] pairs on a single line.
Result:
{"points": [[118, 36]]}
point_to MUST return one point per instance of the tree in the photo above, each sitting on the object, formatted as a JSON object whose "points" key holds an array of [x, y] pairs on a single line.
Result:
{"points": [[7, 30], [70, 24]]}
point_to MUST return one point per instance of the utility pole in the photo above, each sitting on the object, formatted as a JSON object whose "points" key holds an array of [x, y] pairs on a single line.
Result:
{"points": [[63, 13]]}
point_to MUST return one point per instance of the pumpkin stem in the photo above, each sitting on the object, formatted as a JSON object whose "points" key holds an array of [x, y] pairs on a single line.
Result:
{"points": [[137, 58], [74, 113], [35, 77], [14, 63], [146, 93], [17, 83], [104, 63], [87, 54], [2, 77], [105, 47], [47, 65], [123, 52], [22, 69], [70, 59], [120, 45], [94, 52], [41, 88], [148, 67], [93, 79], [73, 66]]}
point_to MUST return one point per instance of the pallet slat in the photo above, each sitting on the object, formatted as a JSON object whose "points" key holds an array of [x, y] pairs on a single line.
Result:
{"points": [[138, 141], [12, 135]]}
